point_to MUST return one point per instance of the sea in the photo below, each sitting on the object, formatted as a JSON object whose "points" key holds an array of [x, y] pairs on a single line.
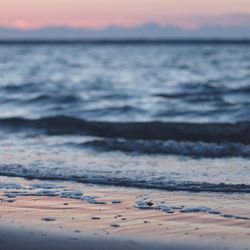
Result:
{"points": [[158, 116]]}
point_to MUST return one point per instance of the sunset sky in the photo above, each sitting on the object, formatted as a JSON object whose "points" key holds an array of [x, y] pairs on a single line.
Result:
{"points": [[100, 13]]}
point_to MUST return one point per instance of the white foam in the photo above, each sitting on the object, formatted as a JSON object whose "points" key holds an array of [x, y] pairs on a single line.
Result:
{"points": [[144, 204], [47, 189], [10, 186], [201, 209], [165, 208]]}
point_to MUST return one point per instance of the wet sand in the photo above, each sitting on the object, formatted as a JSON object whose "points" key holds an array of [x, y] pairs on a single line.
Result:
{"points": [[67, 222]]}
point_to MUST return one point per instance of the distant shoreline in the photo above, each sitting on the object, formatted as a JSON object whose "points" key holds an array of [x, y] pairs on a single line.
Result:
{"points": [[125, 41]]}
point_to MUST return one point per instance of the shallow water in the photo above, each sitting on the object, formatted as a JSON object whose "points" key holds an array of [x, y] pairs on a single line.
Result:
{"points": [[171, 117]]}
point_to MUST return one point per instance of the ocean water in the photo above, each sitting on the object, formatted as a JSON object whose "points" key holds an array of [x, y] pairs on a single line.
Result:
{"points": [[168, 117]]}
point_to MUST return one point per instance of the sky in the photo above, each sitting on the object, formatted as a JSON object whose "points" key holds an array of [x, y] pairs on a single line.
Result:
{"points": [[28, 14]]}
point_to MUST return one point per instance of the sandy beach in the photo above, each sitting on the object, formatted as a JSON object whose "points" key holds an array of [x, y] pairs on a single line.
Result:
{"points": [[115, 220]]}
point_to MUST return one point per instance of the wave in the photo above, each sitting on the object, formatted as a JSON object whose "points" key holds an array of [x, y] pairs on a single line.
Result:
{"points": [[197, 149], [54, 99], [205, 91], [194, 132], [22, 171]]}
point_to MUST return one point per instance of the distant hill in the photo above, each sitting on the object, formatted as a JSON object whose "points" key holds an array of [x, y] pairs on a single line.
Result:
{"points": [[147, 31]]}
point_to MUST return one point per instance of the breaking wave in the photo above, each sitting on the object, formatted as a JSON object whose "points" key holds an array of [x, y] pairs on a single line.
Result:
{"points": [[163, 131], [188, 186], [194, 149]]}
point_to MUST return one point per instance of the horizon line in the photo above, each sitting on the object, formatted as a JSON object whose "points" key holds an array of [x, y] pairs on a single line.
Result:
{"points": [[126, 41]]}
